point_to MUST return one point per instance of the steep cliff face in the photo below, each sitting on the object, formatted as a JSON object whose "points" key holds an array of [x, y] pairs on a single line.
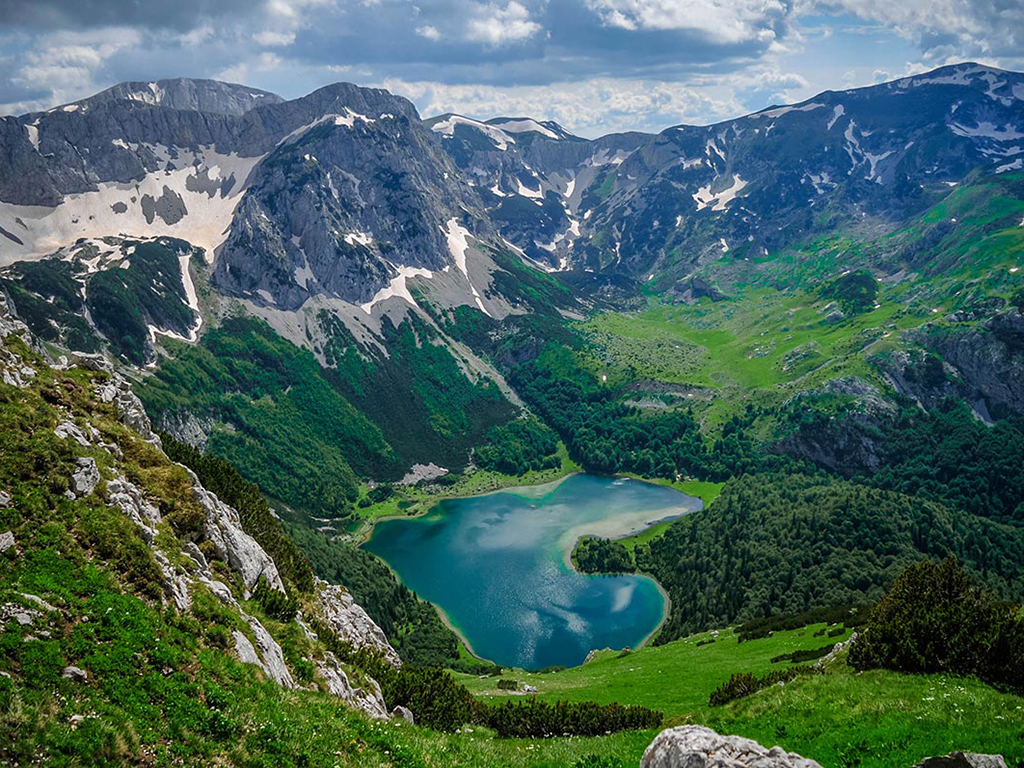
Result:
{"points": [[345, 205], [986, 361]]}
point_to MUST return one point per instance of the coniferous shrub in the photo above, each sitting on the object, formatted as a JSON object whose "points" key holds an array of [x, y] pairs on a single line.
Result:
{"points": [[276, 604], [533, 718], [935, 619], [743, 684]]}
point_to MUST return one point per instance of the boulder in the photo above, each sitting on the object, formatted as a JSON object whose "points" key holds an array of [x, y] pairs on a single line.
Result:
{"points": [[75, 674], [694, 746], [86, 477], [963, 760], [7, 541], [5, 499], [367, 698], [404, 713], [232, 544]]}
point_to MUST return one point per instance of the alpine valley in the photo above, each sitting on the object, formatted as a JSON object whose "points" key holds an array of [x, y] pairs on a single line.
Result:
{"points": [[238, 331]]}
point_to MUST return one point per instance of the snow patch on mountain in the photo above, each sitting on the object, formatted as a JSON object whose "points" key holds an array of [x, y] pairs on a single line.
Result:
{"points": [[780, 111], [397, 288], [704, 197], [525, 125], [32, 129], [446, 127], [195, 203], [458, 245], [836, 114], [987, 130]]}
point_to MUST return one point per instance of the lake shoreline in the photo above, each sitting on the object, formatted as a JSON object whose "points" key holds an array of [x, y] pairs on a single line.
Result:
{"points": [[618, 526]]}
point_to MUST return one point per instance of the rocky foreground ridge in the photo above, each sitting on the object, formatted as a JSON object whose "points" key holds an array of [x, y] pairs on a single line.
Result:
{"points": [[222, 558], [694, 746]]}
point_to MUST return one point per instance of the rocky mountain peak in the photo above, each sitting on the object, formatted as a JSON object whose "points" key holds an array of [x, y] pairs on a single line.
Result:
{"points": [[184, 93]]}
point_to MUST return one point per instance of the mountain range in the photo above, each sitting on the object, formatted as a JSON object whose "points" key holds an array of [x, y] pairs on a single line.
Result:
{"points": [[238, 330]]}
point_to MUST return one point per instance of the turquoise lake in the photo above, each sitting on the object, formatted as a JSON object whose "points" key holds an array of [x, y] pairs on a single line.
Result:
{"points": [[497, 566]]}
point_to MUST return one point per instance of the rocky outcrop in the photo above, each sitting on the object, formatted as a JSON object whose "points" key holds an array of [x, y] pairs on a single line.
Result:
{"points": [[987, 361], [694, 746], [233, 545], [86, 477], [963, 760], [351, 624], [367, 698], [132, 413]]}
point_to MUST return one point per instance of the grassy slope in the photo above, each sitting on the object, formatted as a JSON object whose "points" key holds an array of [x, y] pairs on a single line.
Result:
{"points": [[763, 344], [839, 719]]}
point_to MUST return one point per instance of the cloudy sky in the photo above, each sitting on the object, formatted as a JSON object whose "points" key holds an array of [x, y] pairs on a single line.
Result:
{"points": [[593, 65]]}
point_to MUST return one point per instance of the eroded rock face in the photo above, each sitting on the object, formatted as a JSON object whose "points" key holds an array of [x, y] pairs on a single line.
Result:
{"points": [[694, 746], [352, 624], [133, 415]]}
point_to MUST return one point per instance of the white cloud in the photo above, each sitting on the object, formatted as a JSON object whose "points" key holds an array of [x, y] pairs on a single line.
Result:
{"points": [[428, 32], [723, 21], [272, 39], [943, 29], [495, 25], [588, 108]]}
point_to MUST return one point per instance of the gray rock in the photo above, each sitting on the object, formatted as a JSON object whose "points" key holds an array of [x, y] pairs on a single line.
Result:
{"points": [[368, 699], [404, 713], [5, 499], [273, 657], [7, 540], [75, 674], [119, 392], [39, 601], [68, 429], [130, 499], [268, 657], [963, 760], [245, 650], [694, 746], [237, 548], [351, 623], [87, 477]]}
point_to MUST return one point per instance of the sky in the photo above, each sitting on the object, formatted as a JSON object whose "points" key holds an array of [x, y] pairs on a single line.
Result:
{"points": [[594, 66]]}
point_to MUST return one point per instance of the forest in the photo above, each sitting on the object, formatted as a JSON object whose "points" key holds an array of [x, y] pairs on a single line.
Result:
{"points": [[776, 543]]}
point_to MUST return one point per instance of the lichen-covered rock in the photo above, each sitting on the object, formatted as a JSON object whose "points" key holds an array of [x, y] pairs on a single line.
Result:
{"points": [[86, 477], [694, 746], [367, 698], [963, 760], [5, 499], [7, 541], [352, 624]]}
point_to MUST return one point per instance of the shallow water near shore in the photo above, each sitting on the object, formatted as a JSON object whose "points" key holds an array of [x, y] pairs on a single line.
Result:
{"points": [[498, 566]]}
